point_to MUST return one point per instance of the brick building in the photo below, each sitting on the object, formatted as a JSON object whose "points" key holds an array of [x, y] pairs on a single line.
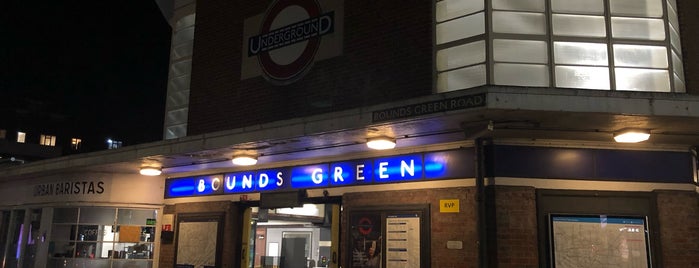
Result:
{"points": [[503, 114]]}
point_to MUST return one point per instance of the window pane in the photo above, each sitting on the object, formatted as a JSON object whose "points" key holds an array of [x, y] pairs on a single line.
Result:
{"points": [[578, 25], [461, 78], [460, 56], [519, 23], [582, 77], [580, 53], [675, 40], [679, 85], [640, 8], [644, 29], [642, 80], [449, 9], [519, 5], [185, 21], [520, 51], [677, 65], [578, 7], [672, 17], [460, 28], [65, 215], [135, 216], [521, 74], [640, 56], [183, 50], [184, 35], [97, 215]]}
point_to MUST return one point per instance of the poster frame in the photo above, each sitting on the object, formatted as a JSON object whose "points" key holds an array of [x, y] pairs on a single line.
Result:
{"points": [[551, 233], [422, 211]]}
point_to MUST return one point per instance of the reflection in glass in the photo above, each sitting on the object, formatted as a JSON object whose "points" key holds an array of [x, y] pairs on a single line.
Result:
{"points": [[582, 77], [460, 28], [529, 51], [642, 80], [580, 53], [461, 78], [641, 29], [521, 74], [640, 56], [519, 22], [459, 56], [579, 25], [449, 9]]}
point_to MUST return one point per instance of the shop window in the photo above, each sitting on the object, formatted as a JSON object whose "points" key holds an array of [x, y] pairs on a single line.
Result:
{"points": [[3, 134], [102, 237], [47, 140]]}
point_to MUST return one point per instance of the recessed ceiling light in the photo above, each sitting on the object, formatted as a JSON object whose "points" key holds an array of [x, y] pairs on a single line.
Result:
{"points": [[381, 143], [244, 160], [150, 171], [631, 135]]}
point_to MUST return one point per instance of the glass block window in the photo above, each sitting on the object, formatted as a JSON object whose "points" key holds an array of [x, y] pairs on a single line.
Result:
{"points": [[620, 45]]}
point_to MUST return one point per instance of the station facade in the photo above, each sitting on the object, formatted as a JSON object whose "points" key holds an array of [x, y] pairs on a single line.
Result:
{"points": [[502, 113]]}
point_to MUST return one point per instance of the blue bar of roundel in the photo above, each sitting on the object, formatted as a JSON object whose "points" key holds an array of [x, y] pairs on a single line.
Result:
{"points": [[309, 176], [398, 168], [449, 164], [272, 178], [180, 187], [240, 182], [351, 172]]}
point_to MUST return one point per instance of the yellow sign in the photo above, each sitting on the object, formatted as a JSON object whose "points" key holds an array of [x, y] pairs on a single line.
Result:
{"points": [[449, 205]]}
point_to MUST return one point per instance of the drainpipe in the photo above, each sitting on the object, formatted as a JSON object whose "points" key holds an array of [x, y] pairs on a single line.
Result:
{"points": [[480, 159]]}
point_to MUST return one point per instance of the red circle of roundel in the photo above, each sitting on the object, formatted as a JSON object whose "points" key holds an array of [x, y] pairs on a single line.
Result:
{"points": [[364, 226], [286, 72]]}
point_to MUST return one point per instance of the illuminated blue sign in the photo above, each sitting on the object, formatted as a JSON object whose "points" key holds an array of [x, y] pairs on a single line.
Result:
{"points": [[398, 168], [392, 169], [351, 173]]}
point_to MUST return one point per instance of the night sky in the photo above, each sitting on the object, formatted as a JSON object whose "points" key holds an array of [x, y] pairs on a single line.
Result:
{"points": [[90, 69]]}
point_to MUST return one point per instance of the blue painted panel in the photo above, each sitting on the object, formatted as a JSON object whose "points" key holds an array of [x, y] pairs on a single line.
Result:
{"points": [[592, 164], [645, 166], [540, 162]]}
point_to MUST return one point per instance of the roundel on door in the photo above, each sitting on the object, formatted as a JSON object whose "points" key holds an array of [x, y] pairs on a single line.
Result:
{"points": [[283, 43]]}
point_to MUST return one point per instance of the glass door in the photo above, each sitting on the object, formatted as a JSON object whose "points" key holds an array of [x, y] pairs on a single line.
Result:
{"points": [[298, 237]]}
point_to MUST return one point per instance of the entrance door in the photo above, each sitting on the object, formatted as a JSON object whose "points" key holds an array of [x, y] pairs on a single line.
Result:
{"points": [[299, 237]]}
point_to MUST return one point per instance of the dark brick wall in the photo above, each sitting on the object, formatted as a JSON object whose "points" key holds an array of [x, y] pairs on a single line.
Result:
{"points": [[387, 55], [515, 233], [444, 226], [678, 216], [231, 231], [689, 26]]}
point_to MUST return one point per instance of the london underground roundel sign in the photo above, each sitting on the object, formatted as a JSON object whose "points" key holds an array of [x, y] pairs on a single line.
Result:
{"points": [[289, 37]]}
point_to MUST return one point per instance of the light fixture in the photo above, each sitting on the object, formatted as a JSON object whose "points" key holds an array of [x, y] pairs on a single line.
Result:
{"points": [[244, 160], [631, 135], [150, 171], [381, 143]]}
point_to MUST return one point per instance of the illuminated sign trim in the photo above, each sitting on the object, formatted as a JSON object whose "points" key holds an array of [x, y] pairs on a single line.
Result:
{"points": [[390, 169]]}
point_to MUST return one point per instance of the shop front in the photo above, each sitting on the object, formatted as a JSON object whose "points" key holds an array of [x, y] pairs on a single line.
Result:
{"points": [[81, 219]]}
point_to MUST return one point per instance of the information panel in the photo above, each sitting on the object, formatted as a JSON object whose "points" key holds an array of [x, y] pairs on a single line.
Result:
{"points": [[403, 241], [599, 241]]}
